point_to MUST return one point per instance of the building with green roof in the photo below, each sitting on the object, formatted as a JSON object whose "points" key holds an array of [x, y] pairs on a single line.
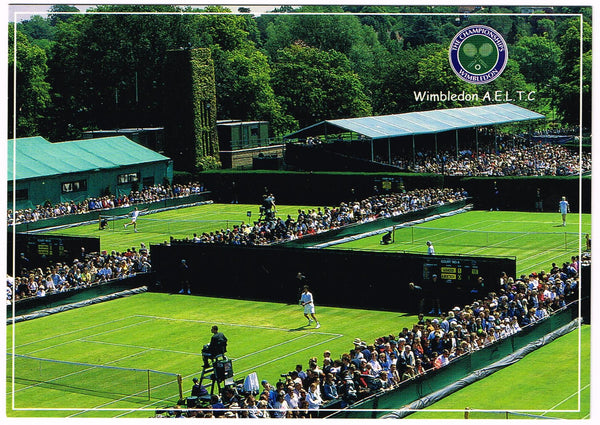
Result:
{"points": [[40, 171]]}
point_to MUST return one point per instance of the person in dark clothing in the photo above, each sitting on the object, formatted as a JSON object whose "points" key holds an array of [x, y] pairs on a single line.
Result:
{"points": [[197, 389], [216, 346], [184, 277], [387, 238]]}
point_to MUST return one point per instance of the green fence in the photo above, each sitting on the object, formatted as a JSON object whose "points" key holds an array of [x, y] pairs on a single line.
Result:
{"points": [[380, 404]]}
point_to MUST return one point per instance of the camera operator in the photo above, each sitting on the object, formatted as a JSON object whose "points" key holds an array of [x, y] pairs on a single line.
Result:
{"points": [[268, 206]]}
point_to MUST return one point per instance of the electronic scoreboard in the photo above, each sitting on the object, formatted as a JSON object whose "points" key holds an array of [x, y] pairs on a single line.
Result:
{"points": [[44, 249], [463, 273]]}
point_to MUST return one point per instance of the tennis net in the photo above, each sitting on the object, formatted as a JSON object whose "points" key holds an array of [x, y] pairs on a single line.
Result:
{"points": [[553, 241], [116, 383]]}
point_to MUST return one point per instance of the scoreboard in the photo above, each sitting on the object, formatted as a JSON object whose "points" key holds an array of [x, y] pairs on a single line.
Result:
{"points": [[451, 269], [463, 272], [44, 249]]}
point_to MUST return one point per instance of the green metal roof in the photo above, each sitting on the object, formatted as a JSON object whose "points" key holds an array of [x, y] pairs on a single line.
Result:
{"points": [[426, 122], [37, 157]]}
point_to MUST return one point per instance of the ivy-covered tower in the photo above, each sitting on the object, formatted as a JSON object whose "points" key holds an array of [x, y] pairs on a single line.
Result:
{"points": [[191, 110]]}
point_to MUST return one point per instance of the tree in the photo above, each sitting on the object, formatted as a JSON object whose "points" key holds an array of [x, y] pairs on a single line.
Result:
{"points": [[107, 70], [538, 58], [244, 88], [61, 13], [435, 73], [316, 85], [37, 28], [31, 96], [575, 60]]}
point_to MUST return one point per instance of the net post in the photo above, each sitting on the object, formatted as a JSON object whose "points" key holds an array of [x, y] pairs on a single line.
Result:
{"points": [[180, 386], [467, 412]]}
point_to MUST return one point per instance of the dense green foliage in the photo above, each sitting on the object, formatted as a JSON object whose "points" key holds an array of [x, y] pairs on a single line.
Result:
{"points": [[205, 115], [104, 70]]}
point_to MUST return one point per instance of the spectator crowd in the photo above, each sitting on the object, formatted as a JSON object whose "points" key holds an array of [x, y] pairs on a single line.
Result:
{"points": [[147, 194], [323, 219], [369, 367], [85, 271], [518, 158], [97, 268]]}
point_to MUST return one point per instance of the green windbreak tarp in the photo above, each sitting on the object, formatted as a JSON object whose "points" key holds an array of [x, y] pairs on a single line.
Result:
{"points": [[426, 122], [36, 157]]}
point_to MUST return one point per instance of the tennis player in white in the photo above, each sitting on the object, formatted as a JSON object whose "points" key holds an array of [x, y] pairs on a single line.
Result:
{"points": [[307, 301], [563, 207], [134, 216]]}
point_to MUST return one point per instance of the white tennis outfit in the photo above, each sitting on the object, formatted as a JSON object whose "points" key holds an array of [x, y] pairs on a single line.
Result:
{"points": [[309, 306]]}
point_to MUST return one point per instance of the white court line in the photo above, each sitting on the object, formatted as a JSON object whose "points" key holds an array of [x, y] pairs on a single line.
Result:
{"points": [[230, 324], [71, 332], [146, 349], [81, 339], [138, 346], [552, 409]]}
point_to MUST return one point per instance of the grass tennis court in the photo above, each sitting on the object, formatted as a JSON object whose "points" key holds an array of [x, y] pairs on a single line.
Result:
{"points": [[180, 223], [547, 380], [166, 332], [534, 238]]}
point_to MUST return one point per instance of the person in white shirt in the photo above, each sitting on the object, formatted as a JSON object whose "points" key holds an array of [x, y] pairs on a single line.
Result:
{"points": [[430, 248], [306, 300], [314, 399], [134, 215], [563, 207]]}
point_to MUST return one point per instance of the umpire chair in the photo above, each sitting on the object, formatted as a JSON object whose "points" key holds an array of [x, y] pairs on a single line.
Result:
{"points": [[216, 367], [218, 371]]}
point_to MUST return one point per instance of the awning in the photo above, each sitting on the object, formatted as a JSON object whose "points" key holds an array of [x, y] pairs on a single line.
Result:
{"points": [[415, 123]]}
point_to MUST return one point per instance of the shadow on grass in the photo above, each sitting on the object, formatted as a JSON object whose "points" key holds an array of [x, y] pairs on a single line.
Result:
{"points": [[301, 328]]}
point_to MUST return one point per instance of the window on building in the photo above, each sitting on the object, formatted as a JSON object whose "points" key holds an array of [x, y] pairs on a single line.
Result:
{"points": [[128, 178], [254, 131], [74, 186]]}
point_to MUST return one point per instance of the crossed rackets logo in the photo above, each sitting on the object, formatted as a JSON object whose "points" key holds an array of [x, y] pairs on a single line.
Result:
{"points": [[478, 54]]}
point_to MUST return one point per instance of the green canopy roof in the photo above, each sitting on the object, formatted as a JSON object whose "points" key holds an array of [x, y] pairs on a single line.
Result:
{"points": [[34, 157], [426, 122]]}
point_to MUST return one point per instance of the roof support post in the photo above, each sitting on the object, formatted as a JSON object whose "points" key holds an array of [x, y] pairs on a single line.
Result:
{"points": [[372, 155], [435, 138], [456, 144], [476, 142], [389, 152], [414, 156]]}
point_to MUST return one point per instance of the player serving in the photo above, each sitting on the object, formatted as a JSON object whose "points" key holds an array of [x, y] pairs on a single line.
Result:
{"points": [[134, 215]]}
